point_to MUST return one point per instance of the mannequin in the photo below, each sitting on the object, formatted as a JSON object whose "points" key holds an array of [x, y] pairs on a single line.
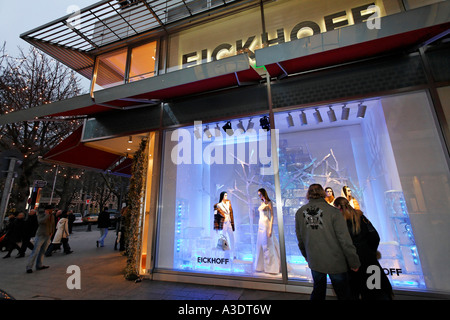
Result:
{"points": [[224, 220], [329, 195], [267, 248], [348, 195]]}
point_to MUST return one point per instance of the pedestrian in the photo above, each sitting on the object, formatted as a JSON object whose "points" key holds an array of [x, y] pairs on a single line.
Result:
{"points": [[61, 235], [103, 224], [71, 218], [46, 227], [121, 229], [29, 232], [325, 242], [366, 240], [14, 233]]}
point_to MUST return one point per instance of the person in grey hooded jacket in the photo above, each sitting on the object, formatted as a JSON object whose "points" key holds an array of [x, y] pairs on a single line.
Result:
{"points": [[325, 242]]}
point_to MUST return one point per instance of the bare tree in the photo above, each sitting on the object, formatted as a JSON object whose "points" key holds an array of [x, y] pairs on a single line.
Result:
{"points": [[27, 81]]}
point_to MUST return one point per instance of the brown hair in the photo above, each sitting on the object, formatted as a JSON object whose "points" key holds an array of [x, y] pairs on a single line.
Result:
{"points": [[349, 213], [315, 191], [264, 194]]}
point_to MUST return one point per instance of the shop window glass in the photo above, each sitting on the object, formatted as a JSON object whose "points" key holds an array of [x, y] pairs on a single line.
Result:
{"points": [[143, 59], [196, 170], [393, 161], [111, 69]]}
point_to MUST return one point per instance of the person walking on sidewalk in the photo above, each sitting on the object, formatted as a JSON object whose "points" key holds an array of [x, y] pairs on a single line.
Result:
{"points": [[103, 224], [44, 232], [61, 235], [31, 225]]}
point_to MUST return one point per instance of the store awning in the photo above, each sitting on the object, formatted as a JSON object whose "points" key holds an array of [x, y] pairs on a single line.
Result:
{"points": [[403, 31], [221, 74], [72, 152]]}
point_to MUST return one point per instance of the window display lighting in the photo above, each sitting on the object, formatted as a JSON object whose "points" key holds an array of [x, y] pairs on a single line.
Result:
{"points": [[345, 112], [241, 126], [217, 130], [290, 120], [207, 132], [250, 124], [317, 116], [227, 128], [303, 119], [331, 115], [197, 134], [361, 110]]}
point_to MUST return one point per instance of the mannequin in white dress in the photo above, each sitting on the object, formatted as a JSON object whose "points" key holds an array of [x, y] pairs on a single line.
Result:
{"points": [[267, 257]]}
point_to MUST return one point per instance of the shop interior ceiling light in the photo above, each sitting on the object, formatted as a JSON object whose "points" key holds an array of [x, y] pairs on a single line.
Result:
{"points": [[207, 132], [361, 110], [227, 128], [241, 126], [303, 119], [290, 120], [217, 129], [250, 125], [331, 115], [345, 113], [317, 116], [264, 123], [197, 134], [130, 139]]}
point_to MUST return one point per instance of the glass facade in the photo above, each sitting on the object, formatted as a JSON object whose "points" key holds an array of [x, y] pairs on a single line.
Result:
{"points": [[125, 65], [386, 150]]}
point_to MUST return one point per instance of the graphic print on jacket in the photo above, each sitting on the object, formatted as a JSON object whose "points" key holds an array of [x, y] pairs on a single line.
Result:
{"points": [[313, 218]]}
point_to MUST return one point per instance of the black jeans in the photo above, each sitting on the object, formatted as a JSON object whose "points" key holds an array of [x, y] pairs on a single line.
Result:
{"points": [[339, 281]]}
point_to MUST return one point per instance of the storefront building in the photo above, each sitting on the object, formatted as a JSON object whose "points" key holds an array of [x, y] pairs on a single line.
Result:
{"points": [[234, 96]]}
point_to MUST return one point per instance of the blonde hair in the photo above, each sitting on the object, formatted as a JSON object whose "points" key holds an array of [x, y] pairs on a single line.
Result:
{"points": [[349, 213]]}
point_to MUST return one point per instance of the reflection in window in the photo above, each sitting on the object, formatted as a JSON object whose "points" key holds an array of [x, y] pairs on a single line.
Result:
{"points": [[143, 59]]}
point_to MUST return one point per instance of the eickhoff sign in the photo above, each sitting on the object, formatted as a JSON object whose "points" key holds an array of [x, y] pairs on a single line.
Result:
{"points": [[302, 29]]}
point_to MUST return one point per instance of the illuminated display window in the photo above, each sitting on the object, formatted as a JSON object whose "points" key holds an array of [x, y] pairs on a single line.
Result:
{"points": [[367, 146]]}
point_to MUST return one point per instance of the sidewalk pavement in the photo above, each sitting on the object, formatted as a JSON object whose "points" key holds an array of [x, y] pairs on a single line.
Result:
{"points": [[102, 277]]}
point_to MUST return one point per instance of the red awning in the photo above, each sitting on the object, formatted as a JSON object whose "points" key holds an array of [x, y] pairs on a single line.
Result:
{"points": [[72, 152], [356, 52]]}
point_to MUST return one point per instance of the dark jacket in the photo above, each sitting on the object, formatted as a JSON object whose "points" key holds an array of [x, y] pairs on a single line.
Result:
{"points": [[366, 243], [323, 238], [103, 220], [31, 225]]}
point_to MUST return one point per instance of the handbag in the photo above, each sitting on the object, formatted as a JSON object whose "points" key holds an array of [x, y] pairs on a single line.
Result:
{"points": [[222, 243]]}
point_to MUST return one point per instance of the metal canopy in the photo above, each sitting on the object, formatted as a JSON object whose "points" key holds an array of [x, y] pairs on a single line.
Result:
{"points": [[70, 39]]}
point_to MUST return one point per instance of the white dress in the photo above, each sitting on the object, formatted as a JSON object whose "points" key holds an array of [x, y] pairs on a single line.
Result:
{"points": [[267, 248], [227, 230]]}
